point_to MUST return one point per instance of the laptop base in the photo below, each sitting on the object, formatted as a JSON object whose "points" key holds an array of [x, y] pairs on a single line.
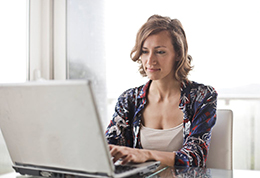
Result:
{"points": [[51, 173]]}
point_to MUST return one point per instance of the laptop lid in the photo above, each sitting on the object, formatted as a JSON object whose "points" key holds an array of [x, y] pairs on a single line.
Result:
{"points": [[54, 124]]}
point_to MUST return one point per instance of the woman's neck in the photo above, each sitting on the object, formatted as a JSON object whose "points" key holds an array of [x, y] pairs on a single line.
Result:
{"points": [[165, 90]]}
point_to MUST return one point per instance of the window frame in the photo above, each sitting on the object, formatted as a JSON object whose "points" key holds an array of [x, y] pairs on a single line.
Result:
{"points": [[47, 40]]}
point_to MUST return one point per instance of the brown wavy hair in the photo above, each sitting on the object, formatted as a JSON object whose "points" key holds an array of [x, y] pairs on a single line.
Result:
{"points": [[156, 24]]}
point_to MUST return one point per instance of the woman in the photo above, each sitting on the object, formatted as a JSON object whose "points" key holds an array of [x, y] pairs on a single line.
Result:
{"points": [[169, 119]]}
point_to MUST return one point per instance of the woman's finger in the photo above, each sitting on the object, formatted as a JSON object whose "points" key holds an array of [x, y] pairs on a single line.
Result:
{"points": [[127, 159], [117, 153]]}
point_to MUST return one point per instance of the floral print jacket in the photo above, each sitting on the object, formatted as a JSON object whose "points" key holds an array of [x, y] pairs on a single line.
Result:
{"points": [[198, 103]]}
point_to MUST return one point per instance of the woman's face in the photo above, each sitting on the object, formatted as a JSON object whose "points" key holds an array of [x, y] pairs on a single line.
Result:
{"points": [[158, 57]]}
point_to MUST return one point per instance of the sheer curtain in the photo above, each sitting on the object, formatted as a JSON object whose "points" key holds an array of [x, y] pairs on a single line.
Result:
{"points": [[85, 46]]}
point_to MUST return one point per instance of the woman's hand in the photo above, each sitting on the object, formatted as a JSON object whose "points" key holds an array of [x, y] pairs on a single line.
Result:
{"points": [[135, 155], [127, 154]]}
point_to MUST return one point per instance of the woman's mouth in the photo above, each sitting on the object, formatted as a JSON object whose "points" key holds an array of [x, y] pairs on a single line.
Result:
{"points": [[152, 69]]}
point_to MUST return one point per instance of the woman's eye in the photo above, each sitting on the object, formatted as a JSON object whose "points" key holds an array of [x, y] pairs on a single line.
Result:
{"points": [[144, 52], [160, 52]]}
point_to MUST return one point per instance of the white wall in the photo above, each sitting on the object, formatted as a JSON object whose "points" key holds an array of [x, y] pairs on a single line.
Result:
{"points": [[13, 56]]}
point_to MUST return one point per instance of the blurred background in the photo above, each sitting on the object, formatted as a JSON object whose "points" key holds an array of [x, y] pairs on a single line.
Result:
{"points": [[223, 38]]}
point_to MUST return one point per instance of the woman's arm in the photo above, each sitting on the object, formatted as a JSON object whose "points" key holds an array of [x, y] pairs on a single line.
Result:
{"points": [[119, 130], [136, 155], [198, 129]]}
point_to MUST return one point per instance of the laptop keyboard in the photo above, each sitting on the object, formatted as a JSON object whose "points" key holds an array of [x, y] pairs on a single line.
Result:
{"points": [[123, 168]]}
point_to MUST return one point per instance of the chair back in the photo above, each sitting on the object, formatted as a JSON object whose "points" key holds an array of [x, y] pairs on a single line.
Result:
{"points": [[220, 151]]}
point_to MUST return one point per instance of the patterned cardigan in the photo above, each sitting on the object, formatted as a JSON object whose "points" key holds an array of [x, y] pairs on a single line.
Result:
{"points": [[198, 103]]}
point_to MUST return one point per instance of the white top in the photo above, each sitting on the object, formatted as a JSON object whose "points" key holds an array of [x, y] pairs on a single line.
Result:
{"points": [[162, 140]]}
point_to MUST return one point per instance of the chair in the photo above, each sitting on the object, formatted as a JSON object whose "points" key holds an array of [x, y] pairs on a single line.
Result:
{"points": [[220, 151]]}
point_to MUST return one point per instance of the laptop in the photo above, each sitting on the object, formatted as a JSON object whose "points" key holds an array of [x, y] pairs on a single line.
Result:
{"points": [[52, 129]]}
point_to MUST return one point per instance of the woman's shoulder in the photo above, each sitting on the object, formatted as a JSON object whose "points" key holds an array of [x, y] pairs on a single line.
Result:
{"points": [[135, 92], [195, 87], [198, 92]]}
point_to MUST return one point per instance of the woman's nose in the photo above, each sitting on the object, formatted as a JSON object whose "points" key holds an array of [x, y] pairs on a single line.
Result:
{"points": [[151, 59]]}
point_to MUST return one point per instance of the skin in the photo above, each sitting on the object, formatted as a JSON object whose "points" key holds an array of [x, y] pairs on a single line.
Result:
{"points": [[162, 109]]}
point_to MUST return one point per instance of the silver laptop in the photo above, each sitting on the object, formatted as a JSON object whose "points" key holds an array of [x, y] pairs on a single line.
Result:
{"points": [[52, 129]]}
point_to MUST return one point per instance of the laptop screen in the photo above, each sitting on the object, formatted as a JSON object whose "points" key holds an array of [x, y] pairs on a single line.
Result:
{"points": [[54, 124]]}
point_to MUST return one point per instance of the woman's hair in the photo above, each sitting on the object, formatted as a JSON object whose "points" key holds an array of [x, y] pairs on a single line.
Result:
{"points": [[156, 24]]}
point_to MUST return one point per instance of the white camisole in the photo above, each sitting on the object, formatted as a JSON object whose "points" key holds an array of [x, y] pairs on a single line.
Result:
{"points": [[162, 140]]}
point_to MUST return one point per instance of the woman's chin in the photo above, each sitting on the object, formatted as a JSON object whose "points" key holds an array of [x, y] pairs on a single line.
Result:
{"points": [[153, 77]]}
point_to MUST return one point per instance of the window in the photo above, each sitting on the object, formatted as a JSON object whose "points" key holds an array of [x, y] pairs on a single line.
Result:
{"points": [[13, 42]]}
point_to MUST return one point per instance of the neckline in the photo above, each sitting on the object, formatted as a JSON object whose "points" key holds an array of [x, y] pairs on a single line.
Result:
{"points": [[161, 130]]}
